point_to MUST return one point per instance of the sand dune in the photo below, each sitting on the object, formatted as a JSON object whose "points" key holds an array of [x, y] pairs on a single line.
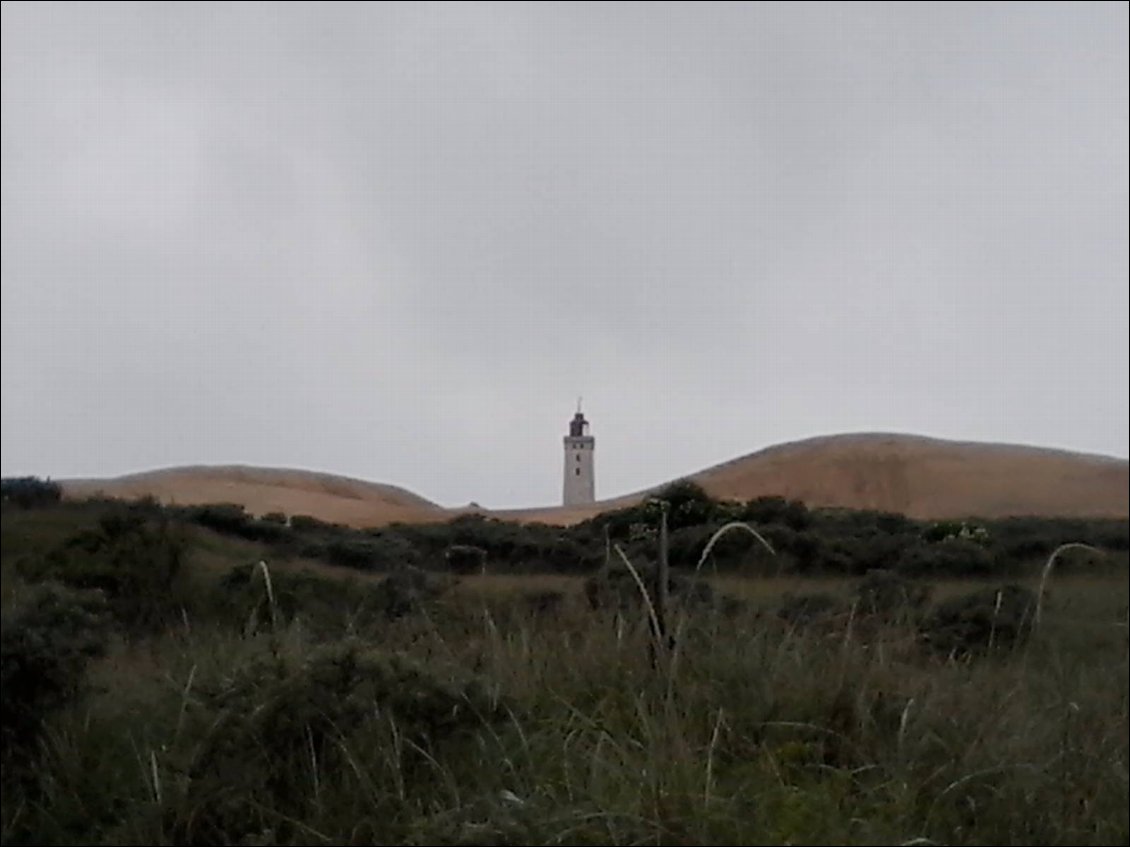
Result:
{"points": [[261, 490], [931, 478], [921, 477]]}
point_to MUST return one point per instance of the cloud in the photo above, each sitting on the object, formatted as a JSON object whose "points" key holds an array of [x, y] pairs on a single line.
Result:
{"points": [[397, 241]]}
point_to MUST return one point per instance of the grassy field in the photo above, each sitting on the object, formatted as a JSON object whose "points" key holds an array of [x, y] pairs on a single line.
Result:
{"points": [[504, 710]]}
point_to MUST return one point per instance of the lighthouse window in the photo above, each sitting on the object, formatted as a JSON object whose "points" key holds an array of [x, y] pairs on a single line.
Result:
{"points": [[578, 457], [578, 471]]}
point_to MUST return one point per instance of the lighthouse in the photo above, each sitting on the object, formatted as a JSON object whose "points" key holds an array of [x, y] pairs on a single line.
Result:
{"points": [[579, 486]]}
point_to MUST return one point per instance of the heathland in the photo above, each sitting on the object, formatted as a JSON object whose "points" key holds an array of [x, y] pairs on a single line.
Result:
{"points": [[211, 674]]}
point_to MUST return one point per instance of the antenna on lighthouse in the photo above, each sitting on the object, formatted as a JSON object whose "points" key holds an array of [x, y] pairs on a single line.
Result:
{"points": [[578, 404]]}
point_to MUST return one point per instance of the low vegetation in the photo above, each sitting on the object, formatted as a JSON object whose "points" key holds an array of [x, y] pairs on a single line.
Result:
{"points": [[824, 542], [200, 676]]}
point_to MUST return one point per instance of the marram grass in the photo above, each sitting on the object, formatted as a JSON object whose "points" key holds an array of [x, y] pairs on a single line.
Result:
{"points": [[483, 722]]}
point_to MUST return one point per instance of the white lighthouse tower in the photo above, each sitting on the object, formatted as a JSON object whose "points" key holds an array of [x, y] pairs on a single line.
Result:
{"points": [[579, 486]]}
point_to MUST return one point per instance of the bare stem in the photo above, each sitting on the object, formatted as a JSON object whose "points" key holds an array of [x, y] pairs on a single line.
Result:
{"points": [[1048, 569]]}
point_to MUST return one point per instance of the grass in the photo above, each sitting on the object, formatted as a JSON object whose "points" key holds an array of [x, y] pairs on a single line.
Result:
{"points": [[487, 719]]}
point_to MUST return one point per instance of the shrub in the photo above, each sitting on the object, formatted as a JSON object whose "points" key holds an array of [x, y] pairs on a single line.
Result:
{"points": [[777, 510], [887, 594], [465, 558], [327, 606], [617, 589], [228, 518], [688, 504], [47, 636], [945, 530], [352, 553], [982, 620], [407, 590], [306, 523], [950, 557], [28, 492], [270, 532], [232, 519], [686, 546], [277, 717], [136, 561]]}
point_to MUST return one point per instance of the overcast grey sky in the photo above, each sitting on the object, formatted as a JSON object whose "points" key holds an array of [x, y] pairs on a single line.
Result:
{"points": [[397, 241]]}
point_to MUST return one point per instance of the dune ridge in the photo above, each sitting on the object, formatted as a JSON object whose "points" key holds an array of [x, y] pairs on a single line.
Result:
{"points": [[926, 478]]}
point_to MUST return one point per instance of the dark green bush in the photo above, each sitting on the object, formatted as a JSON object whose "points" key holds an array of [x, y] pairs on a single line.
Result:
{"points": [[977, 622], [407, 590], [48, 634], [766, 511], [270, 532], [230, 518], [327, 606], [308, 524], [951, 557], [29, 492], [688, 504], [1018, 541], [828, 541], [686, 546], [278, 717], [465, 559], [136, 561], [361, 553], [617, 589], [888, 594], [368, 551]]}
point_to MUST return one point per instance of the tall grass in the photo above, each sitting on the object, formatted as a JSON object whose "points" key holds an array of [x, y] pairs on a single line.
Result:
{"points": [[1045, 572], [482, 721]]}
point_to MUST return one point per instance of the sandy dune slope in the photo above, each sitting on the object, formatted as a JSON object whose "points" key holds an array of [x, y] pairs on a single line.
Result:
{"points": [[930, 478], [925, 478], [261, 490], [921, 477]]}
